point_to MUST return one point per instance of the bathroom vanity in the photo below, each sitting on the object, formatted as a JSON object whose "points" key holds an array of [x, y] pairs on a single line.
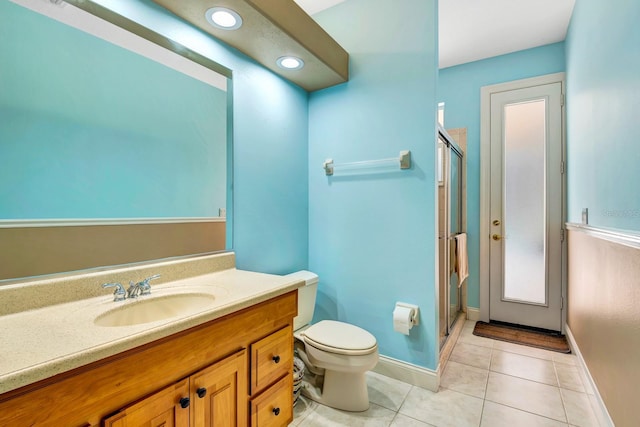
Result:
{"points": [[228, 364]]}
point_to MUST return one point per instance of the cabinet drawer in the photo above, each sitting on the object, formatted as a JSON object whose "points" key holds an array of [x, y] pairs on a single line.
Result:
{"points": [[271, 358], [274, 407], [161, 408]]}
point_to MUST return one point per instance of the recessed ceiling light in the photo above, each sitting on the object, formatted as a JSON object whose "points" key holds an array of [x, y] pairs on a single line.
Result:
{"points": [[290, 62], [223, 18]]}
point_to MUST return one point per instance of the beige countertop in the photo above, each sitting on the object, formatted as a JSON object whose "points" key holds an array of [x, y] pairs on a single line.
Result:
{"points": [[38, 343]]}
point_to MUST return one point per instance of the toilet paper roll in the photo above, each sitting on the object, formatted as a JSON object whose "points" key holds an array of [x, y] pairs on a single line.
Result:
{"points": [[402, 319]]}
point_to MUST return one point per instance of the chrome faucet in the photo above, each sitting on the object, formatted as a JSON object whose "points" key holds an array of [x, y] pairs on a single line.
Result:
{"points": [[135, 289], [140, 288], [119, 294], [144, 285]]}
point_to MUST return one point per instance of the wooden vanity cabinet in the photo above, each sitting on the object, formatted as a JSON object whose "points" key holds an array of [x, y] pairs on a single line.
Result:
{"points": [[148, 382], [218, 393], [212, 397], [274, 406], [160, 409], [271, 379]]}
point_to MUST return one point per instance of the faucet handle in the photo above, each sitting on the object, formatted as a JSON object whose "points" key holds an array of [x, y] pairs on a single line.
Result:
{"points": [[119, 294], [148, 279], [144, 285]]}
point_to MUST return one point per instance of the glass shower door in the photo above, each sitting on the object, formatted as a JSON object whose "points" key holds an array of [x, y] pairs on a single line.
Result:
{"points": [[455, 227]]}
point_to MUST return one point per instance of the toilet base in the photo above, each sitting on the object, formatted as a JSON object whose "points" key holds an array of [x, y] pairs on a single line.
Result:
{"points": [[340, 390]]}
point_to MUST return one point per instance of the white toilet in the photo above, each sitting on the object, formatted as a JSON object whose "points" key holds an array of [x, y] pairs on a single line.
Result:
{"points": [[336, 354]]}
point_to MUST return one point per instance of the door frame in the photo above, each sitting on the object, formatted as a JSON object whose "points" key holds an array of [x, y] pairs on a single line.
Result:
{"points": [[485, 179]]}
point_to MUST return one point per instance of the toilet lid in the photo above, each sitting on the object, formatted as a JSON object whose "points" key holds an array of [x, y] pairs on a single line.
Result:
{"points": [[340, 338]]}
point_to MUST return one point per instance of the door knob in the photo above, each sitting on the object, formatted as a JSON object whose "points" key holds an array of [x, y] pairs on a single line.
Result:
{"points": [[496, 222], [496, 237]]}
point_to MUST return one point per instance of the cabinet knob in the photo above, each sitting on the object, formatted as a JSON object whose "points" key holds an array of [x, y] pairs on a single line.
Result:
{"points": [[276, 359], [184, 402], [202, 392], [276, 411]]}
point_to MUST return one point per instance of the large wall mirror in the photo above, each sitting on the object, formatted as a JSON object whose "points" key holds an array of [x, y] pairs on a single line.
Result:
{"points": [[112, 148]]}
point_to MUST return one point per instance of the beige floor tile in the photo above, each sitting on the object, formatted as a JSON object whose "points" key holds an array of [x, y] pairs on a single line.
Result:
{"points": [[579, 410], [404, 421], [529, 368], [386, 392], [523, 350], [471, 355], [467, 337], [496, 415], [303, 408], [465, 379], [586, 381], [569, 359], [323, 416], [529, 396], [442, 409], [569, 377]]}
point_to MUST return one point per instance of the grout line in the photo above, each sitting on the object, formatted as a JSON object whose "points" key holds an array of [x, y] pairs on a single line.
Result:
{"points": [[564, 407], [528, 412], [527, 379], [482, 410], [405, 398], [420, 421]]}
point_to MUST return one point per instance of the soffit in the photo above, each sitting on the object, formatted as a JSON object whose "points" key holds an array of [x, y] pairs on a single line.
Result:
{"points": [[271, 29]]}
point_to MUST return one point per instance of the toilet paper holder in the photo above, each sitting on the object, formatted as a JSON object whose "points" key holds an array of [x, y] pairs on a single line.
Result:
{"points": [[405, 317], [414, 311]]}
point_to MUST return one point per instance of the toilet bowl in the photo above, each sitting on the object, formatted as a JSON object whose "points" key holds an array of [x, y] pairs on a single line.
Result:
{"points": [[337, 355]]}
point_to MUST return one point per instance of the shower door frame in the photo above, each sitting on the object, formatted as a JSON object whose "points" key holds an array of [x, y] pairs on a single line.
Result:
{"points": [[450, 145]]}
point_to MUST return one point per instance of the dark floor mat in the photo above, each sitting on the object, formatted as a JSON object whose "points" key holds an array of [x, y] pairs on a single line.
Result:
{"points": [[517, 335]]}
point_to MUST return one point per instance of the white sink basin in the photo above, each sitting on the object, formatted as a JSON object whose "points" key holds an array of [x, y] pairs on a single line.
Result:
{"points": [[151, 309]]}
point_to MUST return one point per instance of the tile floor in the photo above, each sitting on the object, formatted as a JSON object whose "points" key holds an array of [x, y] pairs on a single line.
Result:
{"points": [[485, 383]]}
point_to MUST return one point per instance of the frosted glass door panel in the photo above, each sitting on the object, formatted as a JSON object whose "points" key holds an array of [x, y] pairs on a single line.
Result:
{"points": [[524, 202]]}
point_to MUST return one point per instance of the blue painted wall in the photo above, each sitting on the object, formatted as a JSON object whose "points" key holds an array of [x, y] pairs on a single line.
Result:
{"points": [[459, 87], [603, 106], [372, 233], [270, 191], [91, 130]]}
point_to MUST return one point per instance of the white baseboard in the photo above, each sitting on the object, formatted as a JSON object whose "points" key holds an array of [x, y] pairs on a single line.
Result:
{"points": [[605, 417], [408, 373], [473, 314]]}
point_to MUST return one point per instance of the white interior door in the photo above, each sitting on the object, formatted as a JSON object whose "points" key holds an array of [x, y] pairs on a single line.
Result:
{"points": [[525, 250]]}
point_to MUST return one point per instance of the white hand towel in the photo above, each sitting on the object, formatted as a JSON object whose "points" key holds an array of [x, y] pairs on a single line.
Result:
{"points": [[462, 259]]}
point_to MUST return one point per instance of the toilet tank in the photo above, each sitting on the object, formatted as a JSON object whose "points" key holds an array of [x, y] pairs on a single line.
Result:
{"points": [[306, 297]]}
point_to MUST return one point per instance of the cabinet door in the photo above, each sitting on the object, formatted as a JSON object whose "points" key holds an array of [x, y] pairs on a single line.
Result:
{"points": [[162, 409], [219, 393], [274, 407], [271, 358]]}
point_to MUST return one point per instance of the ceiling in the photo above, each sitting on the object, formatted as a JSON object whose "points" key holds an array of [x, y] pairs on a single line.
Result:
{"points": [[470, 30]]}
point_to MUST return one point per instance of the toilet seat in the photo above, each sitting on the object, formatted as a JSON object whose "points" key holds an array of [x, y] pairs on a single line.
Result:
{"points": [[340, 338]]}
